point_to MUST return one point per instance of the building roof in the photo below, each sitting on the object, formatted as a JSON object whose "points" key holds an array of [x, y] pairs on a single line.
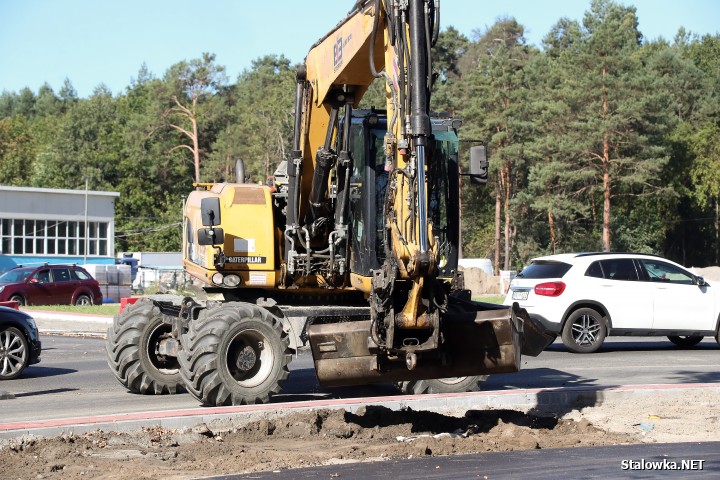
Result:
{"points": [[58, 190]]}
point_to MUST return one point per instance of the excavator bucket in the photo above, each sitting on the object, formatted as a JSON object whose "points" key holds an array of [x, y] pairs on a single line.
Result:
{"points": [[478, 339]]}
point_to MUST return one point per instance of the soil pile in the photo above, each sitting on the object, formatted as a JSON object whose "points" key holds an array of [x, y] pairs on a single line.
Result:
{"points": [[373, 433], [710, 273], [479, 282]]}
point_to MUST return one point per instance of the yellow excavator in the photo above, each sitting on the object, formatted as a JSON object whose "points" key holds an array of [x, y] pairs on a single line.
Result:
{"points": [[351, 248]]}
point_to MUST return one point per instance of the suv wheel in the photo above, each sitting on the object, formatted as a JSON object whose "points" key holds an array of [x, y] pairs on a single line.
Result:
{"points": [[83, 300], [19, 299], [584, 331]]}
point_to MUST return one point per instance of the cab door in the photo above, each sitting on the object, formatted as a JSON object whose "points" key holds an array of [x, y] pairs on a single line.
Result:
{"points": [[368, 183]]}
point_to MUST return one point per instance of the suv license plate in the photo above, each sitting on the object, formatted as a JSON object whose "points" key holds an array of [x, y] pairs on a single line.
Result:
{"points": [[520, 294]]}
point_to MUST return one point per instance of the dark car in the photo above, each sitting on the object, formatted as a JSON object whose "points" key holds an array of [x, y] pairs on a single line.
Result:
{"points": [[19, 342], [50, 285]]}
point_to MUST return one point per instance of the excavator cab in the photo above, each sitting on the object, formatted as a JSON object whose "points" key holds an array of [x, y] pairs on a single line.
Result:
{"points": [[369, 181]]}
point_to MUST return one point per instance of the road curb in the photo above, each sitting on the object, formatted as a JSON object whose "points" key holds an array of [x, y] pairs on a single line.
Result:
{"points": [[540, 401], [77, 333], [72, 325]]}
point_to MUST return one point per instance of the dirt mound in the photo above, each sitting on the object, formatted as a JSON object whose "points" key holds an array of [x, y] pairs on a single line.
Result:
{"points": [[319, 437], [327, 437], [479, 282], [710, 273]]}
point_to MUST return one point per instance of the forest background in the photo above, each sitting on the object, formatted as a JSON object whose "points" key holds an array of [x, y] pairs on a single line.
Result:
{"points": [[598, 140]]}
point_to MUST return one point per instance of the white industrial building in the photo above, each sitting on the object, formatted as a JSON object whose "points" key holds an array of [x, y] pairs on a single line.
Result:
{"points": [[39, 225]]}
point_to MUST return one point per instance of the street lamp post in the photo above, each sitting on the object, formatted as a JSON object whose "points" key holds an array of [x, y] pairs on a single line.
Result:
{"points": [[86, 221]]}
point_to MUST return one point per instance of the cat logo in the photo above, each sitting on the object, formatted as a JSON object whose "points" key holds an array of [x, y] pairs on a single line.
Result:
{"points": [[245, 260], [337, 53], [338, 47]]}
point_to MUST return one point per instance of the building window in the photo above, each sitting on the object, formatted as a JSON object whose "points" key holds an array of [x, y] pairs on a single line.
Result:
{"points": [[52, 237]]}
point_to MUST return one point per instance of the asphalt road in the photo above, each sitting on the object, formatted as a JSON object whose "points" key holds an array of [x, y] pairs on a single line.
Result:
{"points": [[669, 460], [73, 379]]}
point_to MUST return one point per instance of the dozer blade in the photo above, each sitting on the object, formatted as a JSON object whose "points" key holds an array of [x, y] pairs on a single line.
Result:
{"points": [[477, 339]]}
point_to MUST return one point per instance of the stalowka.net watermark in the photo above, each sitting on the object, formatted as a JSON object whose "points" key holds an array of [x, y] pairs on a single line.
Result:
{"points": [[663, 464]]}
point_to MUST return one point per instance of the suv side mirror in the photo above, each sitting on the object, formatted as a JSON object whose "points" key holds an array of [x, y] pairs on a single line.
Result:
{"points": [[700, 281], [210, 211], [478, 165]]}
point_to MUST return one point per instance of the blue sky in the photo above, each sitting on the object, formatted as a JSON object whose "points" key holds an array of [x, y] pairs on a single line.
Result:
{"points": [[95, 42]]}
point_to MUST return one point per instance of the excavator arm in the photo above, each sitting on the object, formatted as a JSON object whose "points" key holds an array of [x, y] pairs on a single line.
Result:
{"points": [[379, 39]]}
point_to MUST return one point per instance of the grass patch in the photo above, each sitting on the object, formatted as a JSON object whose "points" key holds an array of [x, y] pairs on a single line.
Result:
{"points": [[108, 309], [496, 299]]}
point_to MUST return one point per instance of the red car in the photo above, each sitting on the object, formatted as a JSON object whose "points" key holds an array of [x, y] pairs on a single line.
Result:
{"points": [[50, 285]]}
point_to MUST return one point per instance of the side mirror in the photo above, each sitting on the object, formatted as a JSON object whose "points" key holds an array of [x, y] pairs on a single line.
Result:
{"points": [[211, 236], [700, 281], [478, 165], [34, 280], [210, 211]]}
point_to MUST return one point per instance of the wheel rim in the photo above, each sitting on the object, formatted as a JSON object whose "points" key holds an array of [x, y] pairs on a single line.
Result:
{"points": [[12, 353], [249, 358], [585, 330], [164, 364], [17, 299], [83, 300]]}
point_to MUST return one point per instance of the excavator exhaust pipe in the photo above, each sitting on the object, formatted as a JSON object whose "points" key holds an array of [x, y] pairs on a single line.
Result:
{"points": [[479, 339]]}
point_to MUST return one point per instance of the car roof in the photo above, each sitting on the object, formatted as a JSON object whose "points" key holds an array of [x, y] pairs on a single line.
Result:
{"points": [[43, 265], [559, 257], [572, 258]]}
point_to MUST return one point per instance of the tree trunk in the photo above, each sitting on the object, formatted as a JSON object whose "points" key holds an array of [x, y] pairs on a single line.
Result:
{"points": [[196, 148], [460, 215], [551, 222], [606, 199], [498, 203], [606, 171], [508, 219]]}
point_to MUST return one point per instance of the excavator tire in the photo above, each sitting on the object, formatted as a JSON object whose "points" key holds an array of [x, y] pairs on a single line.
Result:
{"points": [[132, 351], [443, 385], [234, 354]]}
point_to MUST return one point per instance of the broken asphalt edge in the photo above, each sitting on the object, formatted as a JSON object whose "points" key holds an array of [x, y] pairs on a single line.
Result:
{"points": [[228, 418]]}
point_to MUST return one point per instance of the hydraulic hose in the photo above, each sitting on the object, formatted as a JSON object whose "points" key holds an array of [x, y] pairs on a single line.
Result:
{"points": [[383, 74]]}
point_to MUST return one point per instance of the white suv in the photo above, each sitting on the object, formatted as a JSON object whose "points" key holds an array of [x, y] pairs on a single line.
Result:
{"points": [[584, 297]]}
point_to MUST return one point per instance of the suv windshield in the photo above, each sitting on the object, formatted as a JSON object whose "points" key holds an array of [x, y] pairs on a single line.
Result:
{"points": [[545, 269], [16, 276]]}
